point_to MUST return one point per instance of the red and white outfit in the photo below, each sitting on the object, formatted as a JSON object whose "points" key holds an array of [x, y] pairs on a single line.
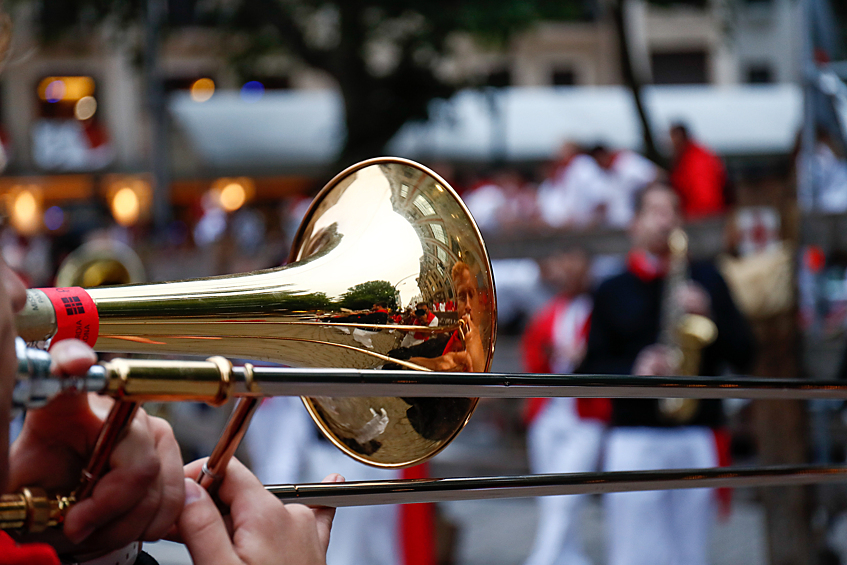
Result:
{"points": [[660, 527], [564, 434], [415, 338], [28, 554]]}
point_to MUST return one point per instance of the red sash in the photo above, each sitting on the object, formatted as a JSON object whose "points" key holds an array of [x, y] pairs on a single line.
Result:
{"points": [[28, 554]]}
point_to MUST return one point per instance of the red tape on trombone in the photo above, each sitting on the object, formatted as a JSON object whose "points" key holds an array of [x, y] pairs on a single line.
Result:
{"points": [[76, 314]]}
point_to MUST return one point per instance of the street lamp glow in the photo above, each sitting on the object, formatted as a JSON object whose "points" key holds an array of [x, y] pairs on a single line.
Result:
{"points": [[126, 207], [26, 212], [233, 196]]}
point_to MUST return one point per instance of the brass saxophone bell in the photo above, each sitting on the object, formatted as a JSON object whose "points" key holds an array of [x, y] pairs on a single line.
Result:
{"points": [[685, 334], [380, 238]]}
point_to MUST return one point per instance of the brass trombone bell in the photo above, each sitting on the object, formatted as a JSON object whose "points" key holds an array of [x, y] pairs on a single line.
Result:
{"points": [[381, 237]]}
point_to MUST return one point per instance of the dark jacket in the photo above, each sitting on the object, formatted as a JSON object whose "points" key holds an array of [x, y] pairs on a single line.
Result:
{"points": [[626, 319]]}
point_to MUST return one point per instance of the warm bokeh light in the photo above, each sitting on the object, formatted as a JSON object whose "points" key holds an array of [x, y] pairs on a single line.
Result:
{"points": [[130, 198], [126, 207], [202, 89], [233, 196], [26, 210], [230, 194], [85, 108], [55, 89]]}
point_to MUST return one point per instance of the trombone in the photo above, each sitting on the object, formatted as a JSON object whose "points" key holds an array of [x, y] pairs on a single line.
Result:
{"points": [[380, 238], [153, 380]]}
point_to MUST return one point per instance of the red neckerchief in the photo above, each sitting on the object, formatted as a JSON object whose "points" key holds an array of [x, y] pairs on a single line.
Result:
{"points": [[28, 554], [454, 344], [615, 156], [645, 266]]}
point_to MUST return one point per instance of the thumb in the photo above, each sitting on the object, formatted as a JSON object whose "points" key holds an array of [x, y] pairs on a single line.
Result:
{"points": [[324, 516], [464, 361], [202, 529]]}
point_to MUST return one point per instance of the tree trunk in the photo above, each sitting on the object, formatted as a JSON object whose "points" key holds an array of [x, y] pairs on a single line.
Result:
{"points": [[634, 84], [781, 427], [781, 431]]}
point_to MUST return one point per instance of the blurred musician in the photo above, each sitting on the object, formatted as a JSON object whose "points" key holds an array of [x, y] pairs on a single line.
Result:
{"points": [[564, 434], [660, 527]]}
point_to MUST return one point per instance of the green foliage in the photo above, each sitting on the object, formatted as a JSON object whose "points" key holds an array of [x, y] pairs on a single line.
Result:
{"points": [[346, 38], [363, 296], [312, 302]]}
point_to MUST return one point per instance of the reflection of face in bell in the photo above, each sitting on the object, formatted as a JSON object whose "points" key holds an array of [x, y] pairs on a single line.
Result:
{"points": [[467, 292]]}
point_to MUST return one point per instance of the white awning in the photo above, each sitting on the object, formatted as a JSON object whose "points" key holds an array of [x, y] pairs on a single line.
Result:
{"points": [[532, 123], [283, 129], [305, 128]]}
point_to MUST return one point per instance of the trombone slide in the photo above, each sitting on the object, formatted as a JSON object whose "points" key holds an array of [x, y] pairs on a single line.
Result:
{"points": [[215, 380]]}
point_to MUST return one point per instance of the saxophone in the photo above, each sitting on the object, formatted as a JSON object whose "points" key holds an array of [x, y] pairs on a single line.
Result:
{"points": [[684, 334]]}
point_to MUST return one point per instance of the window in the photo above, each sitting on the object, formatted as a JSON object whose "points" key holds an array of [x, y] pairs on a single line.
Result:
{"points": [[499, 78], [563, 76], [759, 74], [679, 67], [68, 134], [423, 205]]}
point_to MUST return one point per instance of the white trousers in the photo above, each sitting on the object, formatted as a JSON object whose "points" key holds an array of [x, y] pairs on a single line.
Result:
{"points": [[669, 527], [284, 448], [559, 441], [361, 535]]}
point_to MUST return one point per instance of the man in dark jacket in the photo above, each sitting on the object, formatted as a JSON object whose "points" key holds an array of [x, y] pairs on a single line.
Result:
{"points": [[660, 527]]}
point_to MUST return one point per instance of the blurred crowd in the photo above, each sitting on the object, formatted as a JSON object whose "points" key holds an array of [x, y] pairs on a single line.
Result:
{"points": [[596, 187]]}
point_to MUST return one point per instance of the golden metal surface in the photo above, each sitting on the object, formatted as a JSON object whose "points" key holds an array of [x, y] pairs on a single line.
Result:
{"points": [[100, 263], [685, 334], [32, 510], [385, 231]]}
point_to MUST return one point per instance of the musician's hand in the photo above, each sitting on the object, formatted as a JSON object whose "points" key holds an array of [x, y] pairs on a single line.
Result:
{"points": [[654, 360], [473, 345], [451, 362], [12, 299], [262, 530], [693, 299], [140, 496]]}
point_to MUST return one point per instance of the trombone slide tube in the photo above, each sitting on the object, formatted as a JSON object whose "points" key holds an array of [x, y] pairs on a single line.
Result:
{"points": [[368, 493], [214, 381], [353, 383]]}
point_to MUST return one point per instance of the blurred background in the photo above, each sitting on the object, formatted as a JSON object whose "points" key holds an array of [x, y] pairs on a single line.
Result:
{"points": [[196, 132]]}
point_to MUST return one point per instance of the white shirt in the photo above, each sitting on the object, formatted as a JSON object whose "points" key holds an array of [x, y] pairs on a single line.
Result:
{"points": [[628, 175], [575, 195]]}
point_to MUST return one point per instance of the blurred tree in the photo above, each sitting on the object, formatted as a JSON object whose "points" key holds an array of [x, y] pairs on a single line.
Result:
{"points": [[363, 296], [633, 81], [389, 57]]}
